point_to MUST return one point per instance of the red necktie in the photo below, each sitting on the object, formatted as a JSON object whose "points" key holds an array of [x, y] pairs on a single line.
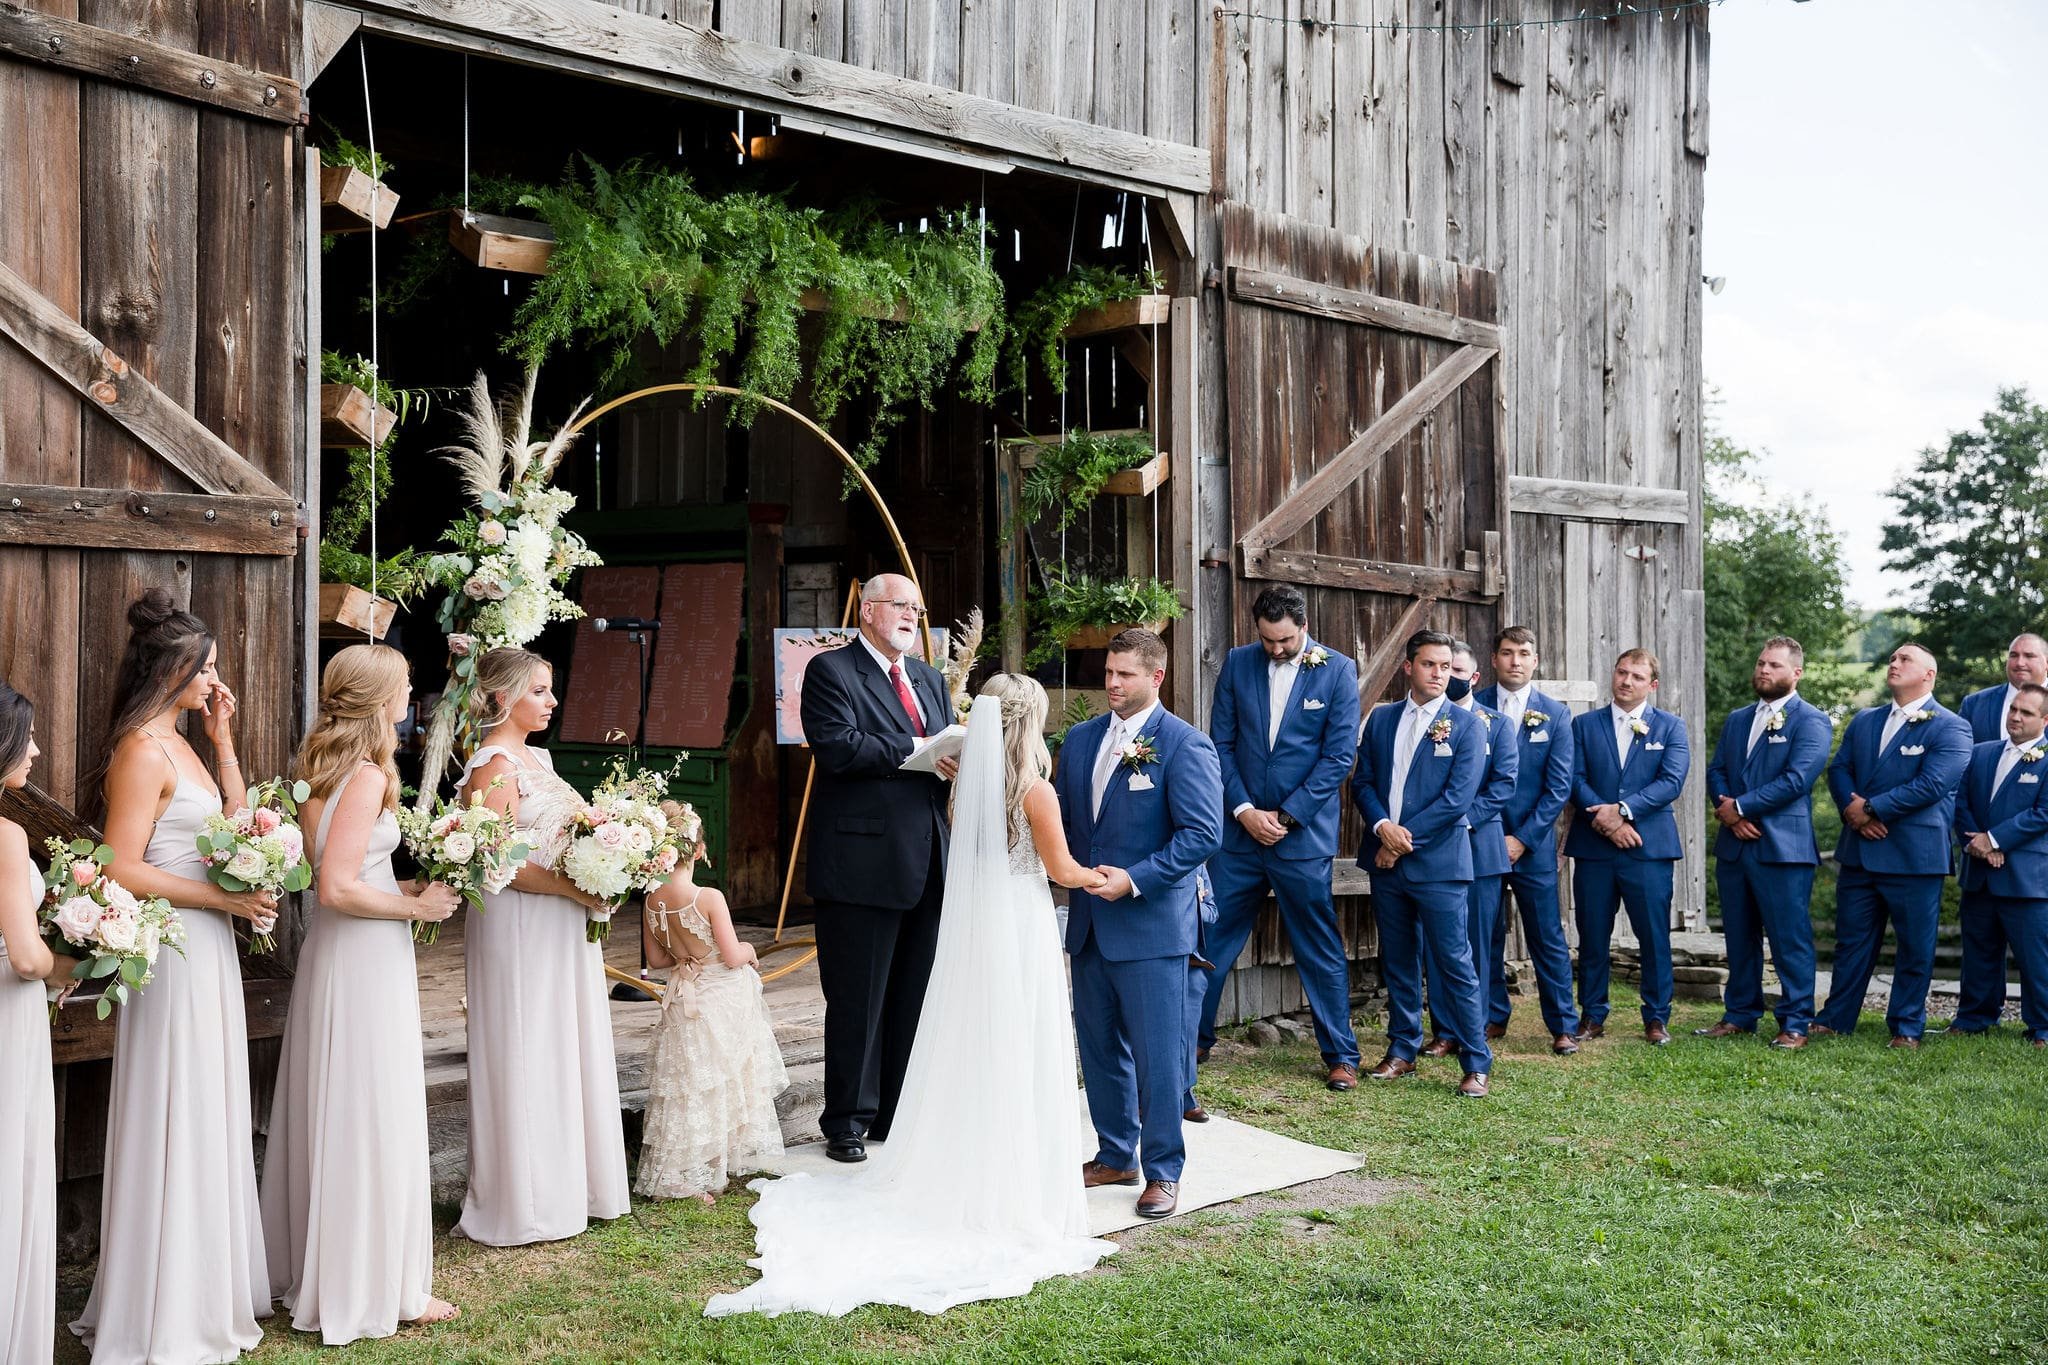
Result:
{"points": [[909, 702]]}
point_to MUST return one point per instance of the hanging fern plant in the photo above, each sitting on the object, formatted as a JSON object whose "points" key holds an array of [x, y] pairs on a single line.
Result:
{"points": [[1071, 473], [1041, 320], [400, 577]]}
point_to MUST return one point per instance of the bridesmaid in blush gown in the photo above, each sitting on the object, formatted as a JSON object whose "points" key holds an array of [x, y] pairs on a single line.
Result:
{"points": [[547, 1150], [28, 1133], [348, 1216], [182, 1278]]}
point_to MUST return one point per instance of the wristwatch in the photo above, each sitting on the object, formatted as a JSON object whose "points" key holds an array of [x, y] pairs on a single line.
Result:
{"points": [[1288, 822]]}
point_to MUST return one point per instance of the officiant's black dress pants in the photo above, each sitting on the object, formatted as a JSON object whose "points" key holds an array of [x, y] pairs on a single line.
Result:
{"points": [[873, 964]]}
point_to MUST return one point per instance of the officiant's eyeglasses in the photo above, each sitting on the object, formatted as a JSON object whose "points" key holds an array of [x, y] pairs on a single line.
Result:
{"points": [[899, 605]]}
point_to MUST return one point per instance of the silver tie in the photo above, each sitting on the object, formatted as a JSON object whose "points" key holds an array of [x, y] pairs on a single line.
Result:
{"points": [[1106, 761], [1404, 755]]}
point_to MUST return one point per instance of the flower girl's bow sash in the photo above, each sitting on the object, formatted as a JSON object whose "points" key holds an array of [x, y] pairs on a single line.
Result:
{"points": [[681, 992]]}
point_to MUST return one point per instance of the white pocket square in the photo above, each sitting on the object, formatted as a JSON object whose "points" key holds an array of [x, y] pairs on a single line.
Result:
{"points": [[1776, 739], [1913, 750], [1540, 737], [1443, 751], [1141, 783], [1311, 705], [2029, 777], [1651, 748]]}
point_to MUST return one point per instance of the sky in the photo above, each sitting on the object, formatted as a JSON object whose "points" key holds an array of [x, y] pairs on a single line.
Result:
{"points": [[1877, 198]]}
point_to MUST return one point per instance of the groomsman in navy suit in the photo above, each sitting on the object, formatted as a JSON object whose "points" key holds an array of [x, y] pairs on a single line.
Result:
{"points": [[1761, 786], [2026, 661], [1142, 801], [1895, 777], [1630, 764], [1419, 768], [1285, 723], [1543, 788], [2002, 823], [1489, 844]]}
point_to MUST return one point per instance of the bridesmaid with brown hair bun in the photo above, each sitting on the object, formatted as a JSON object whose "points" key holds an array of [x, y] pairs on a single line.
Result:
{"points": [[348, 1214], [182, 1277]]}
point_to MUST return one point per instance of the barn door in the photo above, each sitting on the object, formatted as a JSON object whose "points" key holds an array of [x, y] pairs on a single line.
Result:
{"points": [[1366, 459]]}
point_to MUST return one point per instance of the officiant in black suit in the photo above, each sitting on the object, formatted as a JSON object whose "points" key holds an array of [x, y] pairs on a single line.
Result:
{"points": [[877, 856]]}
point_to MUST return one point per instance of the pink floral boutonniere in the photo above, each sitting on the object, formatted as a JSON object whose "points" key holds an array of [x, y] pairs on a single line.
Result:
{"points": [[1533, 720], [1441, 730], [1138, 752], [1315, 658]]}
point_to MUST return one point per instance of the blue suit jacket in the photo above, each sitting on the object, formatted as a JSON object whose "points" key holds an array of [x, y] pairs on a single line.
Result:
{"points": [[1496, 789], [1772, 783], [1303, 772], [1911, 786], [1436, 798], [1980, 711], [1543, 778], [1648, 783], [1161, 833], [2017, 818]]}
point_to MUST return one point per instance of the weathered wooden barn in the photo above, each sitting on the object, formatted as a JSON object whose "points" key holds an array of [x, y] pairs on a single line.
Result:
{"points": [[1431, 342]]}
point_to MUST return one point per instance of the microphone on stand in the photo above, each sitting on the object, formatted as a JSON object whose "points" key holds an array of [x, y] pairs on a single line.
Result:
{"points": [[603, 623]]}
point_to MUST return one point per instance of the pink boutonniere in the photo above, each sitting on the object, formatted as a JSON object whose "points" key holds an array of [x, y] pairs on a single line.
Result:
{"points": [[1440, 730], [1138, 752]]}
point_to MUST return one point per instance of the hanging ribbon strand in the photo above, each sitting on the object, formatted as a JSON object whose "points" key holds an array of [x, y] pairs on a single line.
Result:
{"points": [[1592, 14]]}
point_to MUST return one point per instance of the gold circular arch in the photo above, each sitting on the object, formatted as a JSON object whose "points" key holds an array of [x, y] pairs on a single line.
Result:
{"points": [[909, 571]]}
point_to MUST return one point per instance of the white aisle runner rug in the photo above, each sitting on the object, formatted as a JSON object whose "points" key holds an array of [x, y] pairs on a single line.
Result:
{"points": [[1226, 1160]]}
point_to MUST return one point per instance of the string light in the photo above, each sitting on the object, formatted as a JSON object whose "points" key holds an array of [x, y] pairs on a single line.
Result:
{"points": [[1590, 15]]}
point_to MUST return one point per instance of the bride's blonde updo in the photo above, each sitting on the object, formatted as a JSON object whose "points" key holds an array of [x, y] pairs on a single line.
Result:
{"points": [[1027, 760], [355, 687]]}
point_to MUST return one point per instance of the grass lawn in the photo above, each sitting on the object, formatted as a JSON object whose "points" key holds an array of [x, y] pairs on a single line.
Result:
{"points": [[1703, 1202]]}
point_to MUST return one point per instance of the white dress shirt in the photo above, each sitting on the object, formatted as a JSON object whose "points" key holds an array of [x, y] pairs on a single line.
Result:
{"points": [[1762, 719], [1513, 704], [1280, 676], [1624, 732], [882, 662], [1416, 718], [1897, 719], [1121, 731]]}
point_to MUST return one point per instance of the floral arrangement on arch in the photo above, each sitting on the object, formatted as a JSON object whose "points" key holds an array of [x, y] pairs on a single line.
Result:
{"points": [[511, 556]]}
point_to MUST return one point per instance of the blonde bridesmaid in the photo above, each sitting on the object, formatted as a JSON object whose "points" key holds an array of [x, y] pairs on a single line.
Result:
{"points": [[348, 1216], [547, 1150], [28, 1129], [182, 1275]]}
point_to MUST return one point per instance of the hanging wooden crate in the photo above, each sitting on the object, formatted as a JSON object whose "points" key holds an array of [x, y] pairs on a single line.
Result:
{"points": [[351, 199], [1128, 483], [348, 612], [1143, 311], [350, 417], [1098, 637], [496, 242]]}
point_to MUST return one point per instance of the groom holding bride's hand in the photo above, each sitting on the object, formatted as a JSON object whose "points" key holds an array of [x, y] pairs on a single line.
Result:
{"points": [[1141, 794]]}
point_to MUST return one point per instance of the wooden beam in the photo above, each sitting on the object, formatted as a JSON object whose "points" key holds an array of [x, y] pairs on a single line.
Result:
{"points": [[130, 519], [119, 59], [143, 410], [698, 63], [1307, 502], [1598, 501], [327, 30], [1385, 660], [1367, 575], [1143, 311], [1353, 305]]}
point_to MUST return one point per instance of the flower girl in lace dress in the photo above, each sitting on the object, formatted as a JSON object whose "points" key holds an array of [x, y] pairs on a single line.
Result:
{"points": [[716, 1068]]}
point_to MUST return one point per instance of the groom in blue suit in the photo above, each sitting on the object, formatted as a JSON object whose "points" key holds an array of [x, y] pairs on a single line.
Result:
{"points": [[1761, 786], [1285, 722], [2002, 824], [1631, 763], [1894, 776], [1420, 766], [1142, 799]]}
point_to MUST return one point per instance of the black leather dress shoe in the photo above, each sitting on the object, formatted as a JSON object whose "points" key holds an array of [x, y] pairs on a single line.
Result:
{"points": [[846, 1147]]}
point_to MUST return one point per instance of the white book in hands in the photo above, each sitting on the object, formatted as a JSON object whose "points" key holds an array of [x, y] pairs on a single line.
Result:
{"points": [[947, 743]]}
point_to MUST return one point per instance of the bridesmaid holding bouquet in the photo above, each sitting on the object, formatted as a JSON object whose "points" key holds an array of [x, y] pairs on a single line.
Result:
{"points": [[182, 1276], [348, 1217]]}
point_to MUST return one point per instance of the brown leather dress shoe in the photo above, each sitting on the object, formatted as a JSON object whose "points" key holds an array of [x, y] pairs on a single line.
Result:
{"points": [[1161, 1197], [1790, 1042], [1590, 1031], [1901, 1040], [1473, 1087], [2037, 1042], [1439, 1047], [1391, 1068], [1494, 1031], [1656, 1034], [1195, 1115], [1201, 1055], [1095, 1174], [1823, 1031], [1724, 1029], [1343, 1076], [1564, 1045]]}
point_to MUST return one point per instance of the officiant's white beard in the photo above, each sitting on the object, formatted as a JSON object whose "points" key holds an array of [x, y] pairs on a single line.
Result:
{"points": [[902, 637]]}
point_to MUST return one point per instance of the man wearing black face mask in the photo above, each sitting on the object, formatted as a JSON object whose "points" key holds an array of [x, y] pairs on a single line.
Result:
{"points": [[1489, 842]]}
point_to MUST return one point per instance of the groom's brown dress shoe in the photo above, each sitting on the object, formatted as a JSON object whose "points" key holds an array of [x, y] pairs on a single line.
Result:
{"points": [[1564, 1045], [1590, 1031], [1343, 1076], [1900, 1040], [1094, 1173], [1724, 1029], [1391, 1068], [1823, 1031], [1195, 1115], [1789, 1041], [1656, 1034], [1161, 1197], [1473, 1087], [1439, 1047]]}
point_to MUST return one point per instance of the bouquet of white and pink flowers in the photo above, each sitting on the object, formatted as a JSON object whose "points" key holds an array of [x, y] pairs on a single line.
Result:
{"points": [[620, 842], [259, 847], [471, 848], [108, 928]]}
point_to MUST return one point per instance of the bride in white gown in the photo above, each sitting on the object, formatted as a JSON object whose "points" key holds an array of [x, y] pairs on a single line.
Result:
{"points": [[977, 1193]]}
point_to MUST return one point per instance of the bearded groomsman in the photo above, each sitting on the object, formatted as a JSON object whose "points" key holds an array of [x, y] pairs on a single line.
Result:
{"points": [[1632, 759], [1761, 786], [2026, 661], [1543, 788], [1420, 764], [1894, 776], [2002, 823], [1285, 724], [1489, 845]]}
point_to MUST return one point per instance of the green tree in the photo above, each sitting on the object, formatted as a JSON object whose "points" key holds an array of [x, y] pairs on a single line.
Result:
{"points": [[1773, 567], [1884, 631], [1971, 517]]}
